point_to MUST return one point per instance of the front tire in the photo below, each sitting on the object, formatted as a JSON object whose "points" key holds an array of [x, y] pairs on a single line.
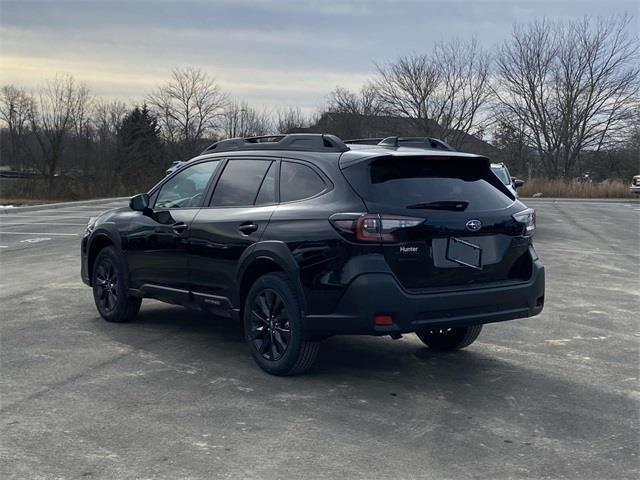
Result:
{"points": [[447, 339], [274, 328], [110, 291]]}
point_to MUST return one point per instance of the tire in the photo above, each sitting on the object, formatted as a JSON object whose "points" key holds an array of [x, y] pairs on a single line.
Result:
{"points": [[274, 327], [447, 339], [110, 288]]}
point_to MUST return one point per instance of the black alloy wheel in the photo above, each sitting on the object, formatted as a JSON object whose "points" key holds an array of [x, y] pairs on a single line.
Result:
{"points": [[274, 326], [270, 326], [110, 290], [107, 285]]}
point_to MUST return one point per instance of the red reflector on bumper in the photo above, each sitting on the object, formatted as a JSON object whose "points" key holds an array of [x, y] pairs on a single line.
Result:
{"points": [[384, 320]]}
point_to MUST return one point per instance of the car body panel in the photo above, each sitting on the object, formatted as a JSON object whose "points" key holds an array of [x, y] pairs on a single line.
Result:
{"points": [[373, 294], [217, 244], [156, 252]]}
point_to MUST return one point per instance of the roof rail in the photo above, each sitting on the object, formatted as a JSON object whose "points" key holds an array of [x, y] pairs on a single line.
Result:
{"points": [[308, 142], [416, 142], [365, 141]]}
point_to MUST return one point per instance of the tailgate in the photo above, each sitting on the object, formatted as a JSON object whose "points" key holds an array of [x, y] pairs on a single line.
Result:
{"points": [[467, 235]]}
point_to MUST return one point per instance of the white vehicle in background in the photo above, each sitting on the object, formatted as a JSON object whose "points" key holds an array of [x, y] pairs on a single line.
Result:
{"points": [[635, 184], [502, 172]]}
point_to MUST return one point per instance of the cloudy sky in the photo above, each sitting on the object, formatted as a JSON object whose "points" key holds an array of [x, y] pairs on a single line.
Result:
{"points": [[271, 53]]}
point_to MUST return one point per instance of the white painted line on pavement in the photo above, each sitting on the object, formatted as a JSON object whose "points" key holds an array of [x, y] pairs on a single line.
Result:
{"points": [[40, 233], [45, 223], [4, 246], [35, 240], [51, 213], [57, 210], [61, 217]]}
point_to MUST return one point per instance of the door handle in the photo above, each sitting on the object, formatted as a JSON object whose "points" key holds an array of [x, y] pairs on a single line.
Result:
{"points": [[248, 228], [179, 227]]}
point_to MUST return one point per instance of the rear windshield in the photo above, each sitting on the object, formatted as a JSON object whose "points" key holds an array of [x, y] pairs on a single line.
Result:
{"points": [[428, 182]]}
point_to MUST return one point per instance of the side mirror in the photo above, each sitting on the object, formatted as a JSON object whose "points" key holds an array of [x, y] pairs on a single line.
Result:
{"points": [[139, 202], [517, 183]]}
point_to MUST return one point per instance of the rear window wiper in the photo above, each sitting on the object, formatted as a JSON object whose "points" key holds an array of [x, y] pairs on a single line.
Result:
{"points": [[458, 206]]}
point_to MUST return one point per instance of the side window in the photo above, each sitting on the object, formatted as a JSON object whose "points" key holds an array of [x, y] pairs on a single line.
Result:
{"points": [[297, 181], [267, 192], [187, 188], [239, 183]]}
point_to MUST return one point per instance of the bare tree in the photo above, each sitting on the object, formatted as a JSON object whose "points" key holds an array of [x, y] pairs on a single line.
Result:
{"points": [[16, 106], [355, 114], [189, 106], [442, 94], [107, 117], [81, 113], [83, 130], [59, 102], [290, 120], [573, 85], [367, 102], [107, 120], [463, 90], [407, 88], [241, 120]]}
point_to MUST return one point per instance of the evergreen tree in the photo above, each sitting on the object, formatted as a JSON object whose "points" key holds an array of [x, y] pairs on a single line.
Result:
{"points": [[510, 139], [141, 157]]}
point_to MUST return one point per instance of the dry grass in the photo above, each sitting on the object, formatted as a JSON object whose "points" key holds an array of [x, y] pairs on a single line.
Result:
{"points": [[574, 189]]}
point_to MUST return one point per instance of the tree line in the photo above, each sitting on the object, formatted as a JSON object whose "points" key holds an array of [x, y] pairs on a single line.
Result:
{"points": [[62, 133], [555, 98]]}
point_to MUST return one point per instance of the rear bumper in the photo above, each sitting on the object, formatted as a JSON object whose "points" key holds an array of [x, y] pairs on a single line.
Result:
{"points": [[379, 294]]}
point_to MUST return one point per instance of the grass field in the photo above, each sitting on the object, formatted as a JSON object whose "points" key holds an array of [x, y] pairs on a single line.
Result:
{"points": [[575, 189]]}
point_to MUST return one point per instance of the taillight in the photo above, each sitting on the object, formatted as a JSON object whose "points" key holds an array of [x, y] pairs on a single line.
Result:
{"points": [[528, 219], [373, 227]]}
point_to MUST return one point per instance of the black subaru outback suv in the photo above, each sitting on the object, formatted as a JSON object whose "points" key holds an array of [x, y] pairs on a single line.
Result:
{"points": [[303, 236]]}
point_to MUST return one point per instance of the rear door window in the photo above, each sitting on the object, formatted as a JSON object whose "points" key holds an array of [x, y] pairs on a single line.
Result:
{"points": [[239, 183], [298, 181], [412, 182]]}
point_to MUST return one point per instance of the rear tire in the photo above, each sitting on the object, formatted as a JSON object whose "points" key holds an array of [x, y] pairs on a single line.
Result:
{"points": [[110, 288], [274, 327], [447, 339]]}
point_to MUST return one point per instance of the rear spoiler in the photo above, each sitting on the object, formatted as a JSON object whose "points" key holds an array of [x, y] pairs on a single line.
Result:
{"points": [[347, 160]]}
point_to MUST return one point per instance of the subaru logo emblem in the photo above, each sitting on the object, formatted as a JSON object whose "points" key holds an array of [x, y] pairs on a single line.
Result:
{"points": [[474, 225]]}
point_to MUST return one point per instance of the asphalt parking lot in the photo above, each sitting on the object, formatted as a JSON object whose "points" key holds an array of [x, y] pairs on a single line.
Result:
{"points": [[176, 395]]}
